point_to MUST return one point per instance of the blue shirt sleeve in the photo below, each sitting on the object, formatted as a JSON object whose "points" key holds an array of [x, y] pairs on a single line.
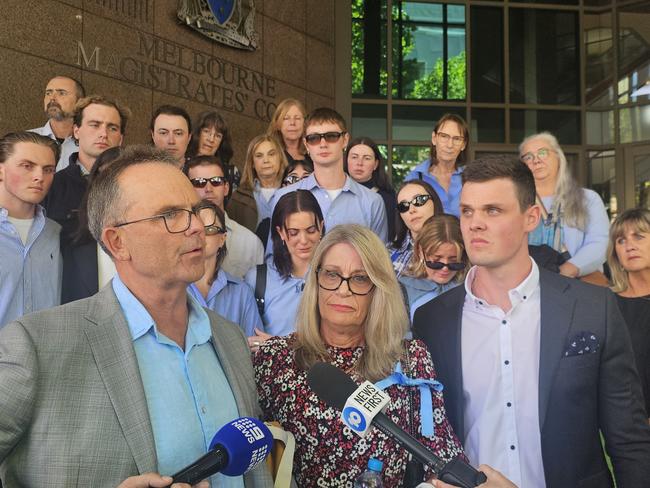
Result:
{"points": [[379, 222], [250, 314]]}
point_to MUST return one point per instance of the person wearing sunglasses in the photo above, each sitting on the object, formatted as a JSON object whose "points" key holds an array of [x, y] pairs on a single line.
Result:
{"points": [[417, 201], [218, 290], [341, 198], [245, 250], [439, 262], [296, 171], [365, 164], [448, 154], [251, 203], [574, 220], [352, 316]]}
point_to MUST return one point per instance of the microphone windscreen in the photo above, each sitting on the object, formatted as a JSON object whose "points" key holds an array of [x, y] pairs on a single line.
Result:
{"points": [[331, 384], [247, 441]]}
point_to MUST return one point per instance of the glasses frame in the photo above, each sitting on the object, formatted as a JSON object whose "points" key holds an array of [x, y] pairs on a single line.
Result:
{"points": [[438, 265], [215, 181], [342, 279], [330, 137], [194, 211], [455, 140], [415, 201], [536, 155]]}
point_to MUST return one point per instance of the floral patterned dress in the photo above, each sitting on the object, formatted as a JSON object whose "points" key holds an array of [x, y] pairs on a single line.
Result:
{"points": [[328, 454]]}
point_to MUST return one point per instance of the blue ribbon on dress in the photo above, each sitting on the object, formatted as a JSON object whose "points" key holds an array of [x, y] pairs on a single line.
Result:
{"points": [[424, 385]]}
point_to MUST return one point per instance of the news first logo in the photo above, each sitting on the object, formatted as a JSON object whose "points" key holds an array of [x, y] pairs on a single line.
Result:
{"points": [[362, 406]]}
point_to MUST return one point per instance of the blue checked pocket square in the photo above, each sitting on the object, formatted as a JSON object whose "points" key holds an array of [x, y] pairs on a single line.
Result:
{"points": [[584, 342]]}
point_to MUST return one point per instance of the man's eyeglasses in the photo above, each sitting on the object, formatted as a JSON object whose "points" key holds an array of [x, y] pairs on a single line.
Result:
{"points": [[313, 139], [418, 201], [541, 154], [214, 181], [358, 284], [178, 220], [437, 265], [291, 179], [445, 138]]}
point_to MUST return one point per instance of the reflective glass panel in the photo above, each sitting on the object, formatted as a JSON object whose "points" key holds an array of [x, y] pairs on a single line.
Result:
{"points": [[487, 54], [634, 124], [415, 123], [602, 177], [564, 124], [600, 127], [369, 58], [599, 51], [406, 158], [488, 125], [634, 53], [369, 120]]}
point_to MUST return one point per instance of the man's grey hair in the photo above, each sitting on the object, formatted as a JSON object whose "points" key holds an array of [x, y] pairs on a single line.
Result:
{"points": [[105, 200]]}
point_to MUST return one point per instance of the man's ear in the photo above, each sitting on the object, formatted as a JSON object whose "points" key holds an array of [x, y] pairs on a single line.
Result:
{"points": [[113, 241], [533, 215]]}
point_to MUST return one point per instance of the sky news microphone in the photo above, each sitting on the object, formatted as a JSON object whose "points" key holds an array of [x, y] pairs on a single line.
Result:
{"points": [[237, 448], [362, 407]]}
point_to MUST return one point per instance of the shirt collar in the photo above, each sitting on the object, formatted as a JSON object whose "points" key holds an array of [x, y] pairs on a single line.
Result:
{"points": [[228, 222], [39, 214], [310, 183], [518, 294]]}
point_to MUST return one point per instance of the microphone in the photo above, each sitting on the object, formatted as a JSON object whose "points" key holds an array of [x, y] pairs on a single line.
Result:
{"points": [[238, 447], [337, 389]]}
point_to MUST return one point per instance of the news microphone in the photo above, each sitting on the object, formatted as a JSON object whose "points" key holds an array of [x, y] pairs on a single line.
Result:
{"points": [[237, 448], [338, 390]]}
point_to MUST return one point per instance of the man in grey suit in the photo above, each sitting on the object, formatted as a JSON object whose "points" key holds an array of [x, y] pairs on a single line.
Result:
{"points": [[138, 378], [534, 365]]}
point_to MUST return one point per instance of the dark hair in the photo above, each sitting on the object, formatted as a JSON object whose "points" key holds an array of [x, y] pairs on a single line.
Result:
{"points": [[212, 119], [171, 110], [9, 141], [291, 203], [322, 115], [379, 177], [81, 105], [204, 161], [503, 167], [79, 88], [305, 163], [462, 157], [221, 255], [82, 235], [400, 227]]}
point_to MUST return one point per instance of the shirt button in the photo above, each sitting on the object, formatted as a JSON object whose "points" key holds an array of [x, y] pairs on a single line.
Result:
{"points": [[509, 404], [504, 322], [524, 297], [203, 410], [512, 448], [506, 362], [480, 302]]}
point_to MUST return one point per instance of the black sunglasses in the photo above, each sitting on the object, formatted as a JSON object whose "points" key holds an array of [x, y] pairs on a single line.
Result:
{"points": [[418, 201], [450, 266], [291, 179], [313, 139], [214, 181]]}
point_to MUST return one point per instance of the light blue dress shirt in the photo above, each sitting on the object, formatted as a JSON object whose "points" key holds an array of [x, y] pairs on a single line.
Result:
{"points": [[233, 299], [354, 205], [421, 290], [588, 248], [281, 299], [30, 274], [188, 395], [450, 199], [264, 207]]}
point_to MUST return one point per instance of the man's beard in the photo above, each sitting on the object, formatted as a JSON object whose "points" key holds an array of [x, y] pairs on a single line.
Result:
{"points": [[54, 111]]}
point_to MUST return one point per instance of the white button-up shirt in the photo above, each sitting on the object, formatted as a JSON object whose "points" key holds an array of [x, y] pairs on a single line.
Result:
{"points": [[500, 365], [245, 250], [68, 146]]}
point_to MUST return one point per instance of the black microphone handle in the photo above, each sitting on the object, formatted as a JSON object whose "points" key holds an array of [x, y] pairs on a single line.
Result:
{"points": [[211, 463], [456, 472]]}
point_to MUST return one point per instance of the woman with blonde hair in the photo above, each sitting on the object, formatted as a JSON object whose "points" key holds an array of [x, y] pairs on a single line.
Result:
{"points": [[262, 176], [439, 262], [628, 257], [352, 316], [287, 126], [574, 221]]}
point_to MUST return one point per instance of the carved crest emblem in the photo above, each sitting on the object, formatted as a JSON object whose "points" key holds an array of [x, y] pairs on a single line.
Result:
{"points": [[224, 21]]}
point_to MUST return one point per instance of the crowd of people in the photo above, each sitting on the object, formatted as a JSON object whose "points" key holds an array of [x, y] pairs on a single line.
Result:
{"points": [[493, 302]]}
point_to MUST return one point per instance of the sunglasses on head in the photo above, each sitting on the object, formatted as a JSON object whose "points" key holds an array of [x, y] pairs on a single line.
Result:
{"points": [[313, 139], [214, 181], [418, 201], [436, 265]]}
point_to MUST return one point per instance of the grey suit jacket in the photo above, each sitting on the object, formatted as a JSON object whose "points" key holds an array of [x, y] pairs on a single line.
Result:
{"points": [[73, 410], [579, 395]]}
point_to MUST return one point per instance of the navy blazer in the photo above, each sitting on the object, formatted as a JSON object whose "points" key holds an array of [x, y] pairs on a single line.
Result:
{"points": [[80, 274], [579, 395]]}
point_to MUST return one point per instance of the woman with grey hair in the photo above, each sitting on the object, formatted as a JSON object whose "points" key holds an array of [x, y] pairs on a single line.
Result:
{"points": [[352, 315], [574, 221]]}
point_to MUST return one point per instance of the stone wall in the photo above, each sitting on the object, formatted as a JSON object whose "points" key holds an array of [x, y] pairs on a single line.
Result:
{"points": [[138, 52]]}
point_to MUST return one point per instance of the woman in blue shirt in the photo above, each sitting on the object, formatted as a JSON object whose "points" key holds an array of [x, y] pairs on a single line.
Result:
{"points": [[574, 220], [219, 291], [438, 263], [443, 169], [296, 229]]}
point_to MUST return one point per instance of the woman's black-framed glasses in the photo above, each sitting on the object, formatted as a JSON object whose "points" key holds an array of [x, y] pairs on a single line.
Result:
{"points": [[358, 284], [313, 139], [418, 201], [178, 220], [437, 265], [214, 181]]}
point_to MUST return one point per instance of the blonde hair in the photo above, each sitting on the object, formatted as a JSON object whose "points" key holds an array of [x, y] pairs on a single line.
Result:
{"points": [[278, 116], [248, 174], [639, 220], [386, 322], [568, 198], [436, 231]]}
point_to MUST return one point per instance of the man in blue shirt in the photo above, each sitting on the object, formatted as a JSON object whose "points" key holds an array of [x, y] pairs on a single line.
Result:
{"points": [[30, 269], [139, 377], [342, 200]]}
